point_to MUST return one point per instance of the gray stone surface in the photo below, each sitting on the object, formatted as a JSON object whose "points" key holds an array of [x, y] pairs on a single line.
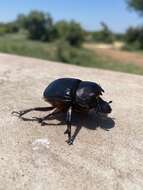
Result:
{"points": [[34, 157]]}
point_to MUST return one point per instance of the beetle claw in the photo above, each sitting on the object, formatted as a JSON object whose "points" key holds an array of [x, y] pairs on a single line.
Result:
{"points": [[70, 141], [17, 114]]}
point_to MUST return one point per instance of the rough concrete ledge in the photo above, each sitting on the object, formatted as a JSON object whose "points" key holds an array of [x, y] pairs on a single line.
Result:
{"points": [[107, 156]]}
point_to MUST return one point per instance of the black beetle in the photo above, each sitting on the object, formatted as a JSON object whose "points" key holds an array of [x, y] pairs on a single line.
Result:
{"points": [[69, 94]]}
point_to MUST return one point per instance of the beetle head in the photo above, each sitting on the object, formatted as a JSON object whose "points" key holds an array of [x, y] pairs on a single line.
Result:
{"points": [[87, 94], [103, 106]]}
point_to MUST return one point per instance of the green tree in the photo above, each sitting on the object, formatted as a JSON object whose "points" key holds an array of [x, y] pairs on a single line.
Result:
{"points": [[134, 37], [39, 25], [71, 32], [104, 35], [62, 28], [137, 5], [21, 20], [75, 34]]}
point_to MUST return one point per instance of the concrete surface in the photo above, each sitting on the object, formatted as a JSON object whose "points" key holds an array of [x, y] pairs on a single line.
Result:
{"points": [[34, 157]]}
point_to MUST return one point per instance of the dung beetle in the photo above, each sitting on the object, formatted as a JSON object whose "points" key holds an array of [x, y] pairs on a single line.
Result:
{"points": [[69, 94]]}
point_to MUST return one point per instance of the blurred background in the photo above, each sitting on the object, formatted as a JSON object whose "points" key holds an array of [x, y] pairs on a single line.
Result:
{"points": [[102, 34]]}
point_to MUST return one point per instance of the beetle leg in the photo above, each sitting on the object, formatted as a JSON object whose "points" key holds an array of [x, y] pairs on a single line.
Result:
{"points": [[68, 121], [75, 133], [42, 119], [23, 112]]}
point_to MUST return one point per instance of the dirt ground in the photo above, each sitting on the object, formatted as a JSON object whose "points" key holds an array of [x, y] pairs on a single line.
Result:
{"points": [[107, 153], [116, 54]]}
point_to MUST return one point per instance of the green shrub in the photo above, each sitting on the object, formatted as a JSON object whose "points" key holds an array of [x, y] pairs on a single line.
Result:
{"points": [[11, 27], [2, 30]]}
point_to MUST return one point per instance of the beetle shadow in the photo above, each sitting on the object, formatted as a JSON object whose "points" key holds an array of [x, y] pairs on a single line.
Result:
{"points": [[91, 121]]}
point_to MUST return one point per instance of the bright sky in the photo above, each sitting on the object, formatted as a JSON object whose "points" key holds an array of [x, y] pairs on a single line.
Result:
{"points": [[88, 12]]}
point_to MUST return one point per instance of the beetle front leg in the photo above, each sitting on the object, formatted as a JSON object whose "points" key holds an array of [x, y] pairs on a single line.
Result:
{"points": [[68, 130], [75, 133]]}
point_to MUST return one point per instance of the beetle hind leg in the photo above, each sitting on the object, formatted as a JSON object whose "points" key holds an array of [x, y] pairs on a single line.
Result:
{"points": [[23, 112], [42, 119]]}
